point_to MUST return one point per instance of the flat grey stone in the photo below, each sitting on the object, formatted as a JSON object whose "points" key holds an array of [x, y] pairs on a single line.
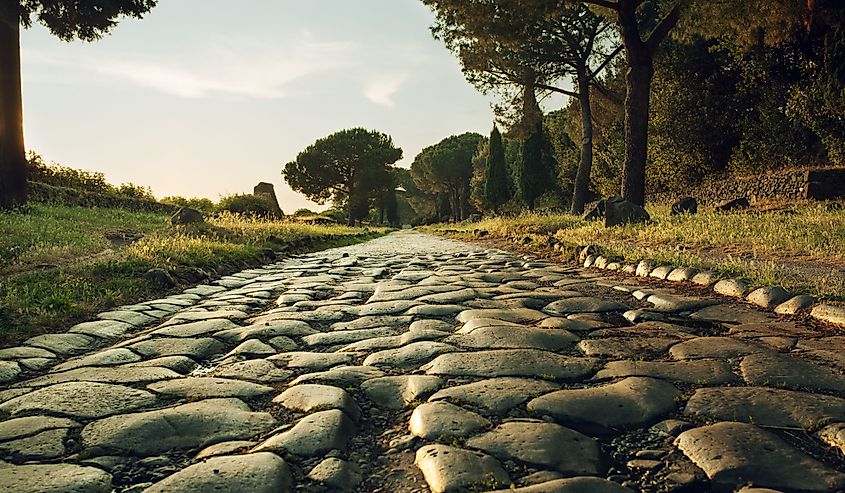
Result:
{"points": [[731, 287], [682, 274], [435, 310], [108, 357], [450, 297], [104, 329], [336, 473], [400, 391], [699, 372], [433, 325], [626, 346], [381, 308], [636, 402], [834, 436], [519, 337], [288, 328], [346, 336], [61, 343], [409, 356], [767, 296], [251, 348], [197, 348], [53, 478], [130, 317], [583, 484], [795, 304], [48, 444], [444, 421], [395, 321], [312, 361], [637, 316], [313, 435], [225, 448], [31, 425], [9, 370], [515, 315], [834, 314], [194, 388], [192, 425], [495, 395], [451, 469], [731, 314], [341, 376], [308, 398], [179, 364], [391, 342], [771, 329], [512, 363], [196, 315], [22, 352], [575, 325], [735, 454], [715, 347], [254, 370], [80, 400], [583, 304], [780, 370], [766, 407], [672, 303], [117, 375], [194, 329], [262, 472], [544, 445]]}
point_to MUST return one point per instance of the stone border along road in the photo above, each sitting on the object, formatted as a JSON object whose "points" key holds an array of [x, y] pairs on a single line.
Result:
{"points": [[411, 363]]}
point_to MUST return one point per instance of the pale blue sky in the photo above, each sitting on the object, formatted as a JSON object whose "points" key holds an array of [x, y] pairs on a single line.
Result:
{"points": [[208, 97]]}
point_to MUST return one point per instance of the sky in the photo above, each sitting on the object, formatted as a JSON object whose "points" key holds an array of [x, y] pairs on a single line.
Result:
{"points": [[204, 98]]}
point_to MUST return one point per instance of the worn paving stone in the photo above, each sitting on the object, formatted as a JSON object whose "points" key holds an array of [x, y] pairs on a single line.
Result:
{"points": [[288, 328], [127, 316], [495, 395], [197, 348], [636, 401], [770, 329], [542, 444], [251, 348], [194, 388], [573, 324], [336, 473], [254, 370], [834, 436], [451, 469], [308, 398], [261, 472], [341, 376], [346, 336], [715, 348], [196, 424], [54, 478], [104, 329], [392, 342], [518, 337], [108, 357], [180, 364], [444, 421], [61, 343], [21, 352], [48, 444], [312, 361], [117, 375], [512, 363], [515, 315], [31, 425], [9, 371], [626, 347], [731, 314], [700, 372], [225, 448], [408, 356], [80, 400], [313, 435], [583, 304], [398, 392], [199, 328], [584, 484], [766, 407], [673, 303], [780, 370], [730, 454]]}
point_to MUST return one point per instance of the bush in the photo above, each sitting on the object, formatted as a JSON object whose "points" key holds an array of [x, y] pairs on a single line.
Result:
{"points": [[200, 204], [256, 205]]}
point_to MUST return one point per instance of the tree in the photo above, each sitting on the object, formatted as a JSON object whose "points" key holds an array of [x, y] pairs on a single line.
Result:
{"points": [[68, 20], [345, 167], [446, 168], [497, 188]]}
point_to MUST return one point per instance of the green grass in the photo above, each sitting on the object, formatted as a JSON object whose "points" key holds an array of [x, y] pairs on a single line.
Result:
{"points": [[753, 245], [58, 267]]}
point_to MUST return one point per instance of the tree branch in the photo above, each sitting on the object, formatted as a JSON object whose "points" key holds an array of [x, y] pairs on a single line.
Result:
{"points": [[604, 3], [607, 60], [663, 27], [547, 87]]}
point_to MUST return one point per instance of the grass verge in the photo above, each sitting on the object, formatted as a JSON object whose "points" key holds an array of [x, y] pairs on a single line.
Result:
{"points": [[801, 248], [60, 265]]}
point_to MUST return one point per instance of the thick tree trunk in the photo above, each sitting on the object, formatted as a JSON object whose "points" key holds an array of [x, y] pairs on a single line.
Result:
{"points": [[582, 177], [350, 221], [638, 84], [13, 190]]}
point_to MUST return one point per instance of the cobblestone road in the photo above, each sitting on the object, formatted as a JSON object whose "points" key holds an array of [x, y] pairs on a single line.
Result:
{"points": [[413, 363]]}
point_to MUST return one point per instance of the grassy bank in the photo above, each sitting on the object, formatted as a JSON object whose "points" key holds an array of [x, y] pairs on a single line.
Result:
{"points": [[62, 264], [801, 248]]}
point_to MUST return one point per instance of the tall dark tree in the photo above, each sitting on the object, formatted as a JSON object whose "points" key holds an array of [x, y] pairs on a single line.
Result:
{"points": [[68, 20], [346, 167], [446, 168], [497, 189]]}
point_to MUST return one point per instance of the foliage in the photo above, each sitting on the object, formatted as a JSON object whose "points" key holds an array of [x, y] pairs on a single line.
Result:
{"points": [[91, 181], [446, 168], [304, 212], [87, 21], [200, 204], [496, 185], [347, 167], [249, 204]]}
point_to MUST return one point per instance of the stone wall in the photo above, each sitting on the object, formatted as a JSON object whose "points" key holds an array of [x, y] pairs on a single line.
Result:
{"points": [[797, 184]]}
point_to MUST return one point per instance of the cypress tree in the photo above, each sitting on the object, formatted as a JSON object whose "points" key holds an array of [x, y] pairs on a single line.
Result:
{"points": [[532, 178], [496, 183]]}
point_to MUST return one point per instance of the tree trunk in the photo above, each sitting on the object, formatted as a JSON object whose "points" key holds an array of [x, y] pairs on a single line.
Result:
{"points": [[582, 177], [13, 190], [349, 206], [638, 84]]}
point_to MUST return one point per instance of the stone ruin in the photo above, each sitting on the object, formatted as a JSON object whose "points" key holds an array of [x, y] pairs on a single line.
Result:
{"points": [[266, 190]]}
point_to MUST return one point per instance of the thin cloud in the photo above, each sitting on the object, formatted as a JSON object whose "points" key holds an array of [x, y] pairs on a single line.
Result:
{"points": [[380, 90], [247, 68]]}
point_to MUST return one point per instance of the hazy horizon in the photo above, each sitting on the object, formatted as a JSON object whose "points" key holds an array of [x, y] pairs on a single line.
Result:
{"points": [[189, 103]]}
